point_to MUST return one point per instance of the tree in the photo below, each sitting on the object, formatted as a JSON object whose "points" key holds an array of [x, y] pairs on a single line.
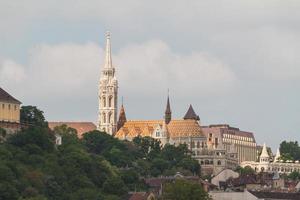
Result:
{"points": [[294, 176], [2, 134], [245, 171], [32, 116], [115, 185], [290, 150], [182, 190]]}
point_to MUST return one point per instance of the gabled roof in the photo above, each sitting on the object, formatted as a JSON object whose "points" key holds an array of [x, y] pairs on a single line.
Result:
{"points": [[190, 114], [5, 97]]}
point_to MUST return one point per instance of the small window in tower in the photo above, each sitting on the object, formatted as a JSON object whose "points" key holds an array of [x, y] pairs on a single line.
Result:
{"points": [[219, 162], [8, 106], [157, 134], [110, 101], [3, 106], [15, 107]]}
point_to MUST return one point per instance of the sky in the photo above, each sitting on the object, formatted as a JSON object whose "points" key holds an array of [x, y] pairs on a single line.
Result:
{"points": [[236, 62]]}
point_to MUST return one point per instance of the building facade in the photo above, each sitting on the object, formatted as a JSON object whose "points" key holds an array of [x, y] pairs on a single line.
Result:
{"points": [[9, 112], [180, 131], [265, 164], [224, 136], [108, 94]]}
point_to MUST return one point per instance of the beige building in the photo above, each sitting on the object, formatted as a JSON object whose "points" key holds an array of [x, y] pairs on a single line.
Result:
{"points": [[9, 107], [224, 136], [9, 112]]}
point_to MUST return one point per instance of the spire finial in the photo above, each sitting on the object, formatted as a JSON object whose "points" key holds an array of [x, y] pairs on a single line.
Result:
{"points": [[108, 60]]}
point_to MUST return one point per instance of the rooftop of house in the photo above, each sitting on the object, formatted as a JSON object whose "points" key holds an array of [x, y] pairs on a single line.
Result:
{"points": [[7, 98], [81, 127]]}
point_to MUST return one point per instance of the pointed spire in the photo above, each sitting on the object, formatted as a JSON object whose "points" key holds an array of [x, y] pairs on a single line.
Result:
{"points": [[168, 112], [277, 156], [122, 117], [190, 114], [108, 60], [264, 152]]}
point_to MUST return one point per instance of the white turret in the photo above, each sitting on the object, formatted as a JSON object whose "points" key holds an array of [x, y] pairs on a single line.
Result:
{"points": [[277, 156], [264, 156]]}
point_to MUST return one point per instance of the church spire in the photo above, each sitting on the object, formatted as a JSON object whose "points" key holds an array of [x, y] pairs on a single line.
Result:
{"points": [[108, 60], [168, 112], [122, 117]]}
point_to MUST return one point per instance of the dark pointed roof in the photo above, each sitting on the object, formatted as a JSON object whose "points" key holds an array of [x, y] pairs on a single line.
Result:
{"points": [[190, 114], [122, 118], [122, 115], [5, 97], [168, 108]]}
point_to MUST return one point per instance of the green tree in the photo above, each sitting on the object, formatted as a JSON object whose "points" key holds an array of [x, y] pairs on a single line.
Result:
{"points": [[245, 170], [182, 190], [290, 150], [2, 134], [31, 115], [115, 185], [294, 176]]}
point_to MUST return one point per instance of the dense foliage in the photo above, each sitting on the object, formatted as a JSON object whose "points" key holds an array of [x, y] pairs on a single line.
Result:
{"points": [[182, 190], [98, 166], [290, 150]]}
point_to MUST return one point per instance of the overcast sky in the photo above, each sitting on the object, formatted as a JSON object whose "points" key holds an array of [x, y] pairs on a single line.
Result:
{"points": [[236, 62]]}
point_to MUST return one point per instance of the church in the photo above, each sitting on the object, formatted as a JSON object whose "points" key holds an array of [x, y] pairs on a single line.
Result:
{"points": [[187, 130]]}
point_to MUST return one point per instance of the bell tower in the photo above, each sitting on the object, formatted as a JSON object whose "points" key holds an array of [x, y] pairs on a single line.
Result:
{"points": [[108, 94]]}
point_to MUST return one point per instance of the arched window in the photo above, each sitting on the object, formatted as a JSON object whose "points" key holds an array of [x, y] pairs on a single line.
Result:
{"points": [[103, 117], [110, 101], [109, 117], [104, 101], [206, 162], [219, 162]]}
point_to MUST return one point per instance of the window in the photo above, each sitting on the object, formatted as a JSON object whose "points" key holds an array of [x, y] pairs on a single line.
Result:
{"points": [[109, 117], [3, 106], [15, 107], [104, 117], [157, 134], [198, 144], [8, 106], [219, 162], [110, 101], [104, 101], [193, 144]]}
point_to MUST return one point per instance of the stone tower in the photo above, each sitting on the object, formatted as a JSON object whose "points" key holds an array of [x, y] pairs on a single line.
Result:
{"points": [[108, 94]]}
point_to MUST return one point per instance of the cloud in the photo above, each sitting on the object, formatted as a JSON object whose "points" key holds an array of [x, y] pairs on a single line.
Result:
{"points": [[61, 77], [11, 73], [153, 66]]}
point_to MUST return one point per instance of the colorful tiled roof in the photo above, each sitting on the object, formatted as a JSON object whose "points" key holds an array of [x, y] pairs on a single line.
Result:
{"points": [[5, 97], [81, 127], [176, 128]]}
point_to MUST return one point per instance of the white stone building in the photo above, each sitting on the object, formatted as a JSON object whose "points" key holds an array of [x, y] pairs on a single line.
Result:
{"points": [[278, 166], [108, 94]]}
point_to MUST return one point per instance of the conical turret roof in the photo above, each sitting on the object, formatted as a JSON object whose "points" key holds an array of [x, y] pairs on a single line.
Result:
{"points": [[190, 114], [264, 152]]}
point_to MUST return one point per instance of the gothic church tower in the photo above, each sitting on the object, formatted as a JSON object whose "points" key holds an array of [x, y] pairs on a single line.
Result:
{"points": [[108, 94]]}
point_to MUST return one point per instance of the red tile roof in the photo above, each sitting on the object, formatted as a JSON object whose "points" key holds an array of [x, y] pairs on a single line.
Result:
{"points": [[81, 127]]}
